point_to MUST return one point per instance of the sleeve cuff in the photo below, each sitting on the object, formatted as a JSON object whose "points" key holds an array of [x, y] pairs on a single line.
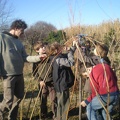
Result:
{"points": [[87, 102]]}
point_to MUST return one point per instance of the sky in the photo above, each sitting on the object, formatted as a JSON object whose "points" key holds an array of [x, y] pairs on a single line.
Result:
{"points": [[66, 13]]}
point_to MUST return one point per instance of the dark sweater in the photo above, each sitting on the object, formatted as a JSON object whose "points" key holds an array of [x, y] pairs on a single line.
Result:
{"points": [[61, 64]]}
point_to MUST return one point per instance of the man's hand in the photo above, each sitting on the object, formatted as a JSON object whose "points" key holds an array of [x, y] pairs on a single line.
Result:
{"points": [[43, 56], [85, 74], [89, 69], [42, 83], [74, 43], [83, 104]]}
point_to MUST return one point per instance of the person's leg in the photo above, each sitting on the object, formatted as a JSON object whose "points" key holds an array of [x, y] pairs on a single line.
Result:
{"points": [[95, 105], [65, 104], [53, 99], [18, 95], [43, 100], [91, 113], [8, 95], [1, 115], [14, 110], [113, 102], [59, 108], [104, 114], [99, 114]]}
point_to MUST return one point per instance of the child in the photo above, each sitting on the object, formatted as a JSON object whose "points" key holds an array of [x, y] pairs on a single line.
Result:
{"points": [[103, 81], [100, 56], [44, 76], [100, 76], [62, 76]]}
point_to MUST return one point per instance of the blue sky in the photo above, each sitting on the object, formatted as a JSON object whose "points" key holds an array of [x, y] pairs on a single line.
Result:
{"points": [[61, 13]]}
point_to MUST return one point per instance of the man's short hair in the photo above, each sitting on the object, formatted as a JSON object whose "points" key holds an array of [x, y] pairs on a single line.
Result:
{"points": [[18, 24]]}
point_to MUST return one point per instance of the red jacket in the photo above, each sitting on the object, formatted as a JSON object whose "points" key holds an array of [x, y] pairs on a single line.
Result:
{"points": [[98, 78]]}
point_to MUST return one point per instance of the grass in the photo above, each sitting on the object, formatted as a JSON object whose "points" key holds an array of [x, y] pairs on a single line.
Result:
{"points": [[31, 91]]}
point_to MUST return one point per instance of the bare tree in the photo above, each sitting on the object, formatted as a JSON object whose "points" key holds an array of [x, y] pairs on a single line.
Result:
{"points": [[5, 14], [37, 31]]}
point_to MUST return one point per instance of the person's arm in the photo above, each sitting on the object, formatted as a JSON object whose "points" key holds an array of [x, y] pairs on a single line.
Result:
{"points": [[35, 58], [42, 84], [32, 59], [83, 104], [93, 93], [93, 60], [69, 60]]}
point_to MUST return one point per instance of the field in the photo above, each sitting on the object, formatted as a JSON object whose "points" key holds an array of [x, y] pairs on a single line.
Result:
{"points": [[29, 107]]}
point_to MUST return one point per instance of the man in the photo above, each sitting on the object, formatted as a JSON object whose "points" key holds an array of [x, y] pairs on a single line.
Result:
{"points": [[12, 58]]}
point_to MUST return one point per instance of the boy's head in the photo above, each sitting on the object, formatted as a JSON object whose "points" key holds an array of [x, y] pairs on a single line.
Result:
{"points": [[39, 47], [55, 48], [87, 71], [101, 50]]}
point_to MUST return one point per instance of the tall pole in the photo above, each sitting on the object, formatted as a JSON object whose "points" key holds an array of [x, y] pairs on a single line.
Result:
{"points": [[80, 98]]}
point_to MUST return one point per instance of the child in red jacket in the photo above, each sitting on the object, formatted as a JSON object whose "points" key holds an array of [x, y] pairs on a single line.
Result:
{"points": [[104, 89]]}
